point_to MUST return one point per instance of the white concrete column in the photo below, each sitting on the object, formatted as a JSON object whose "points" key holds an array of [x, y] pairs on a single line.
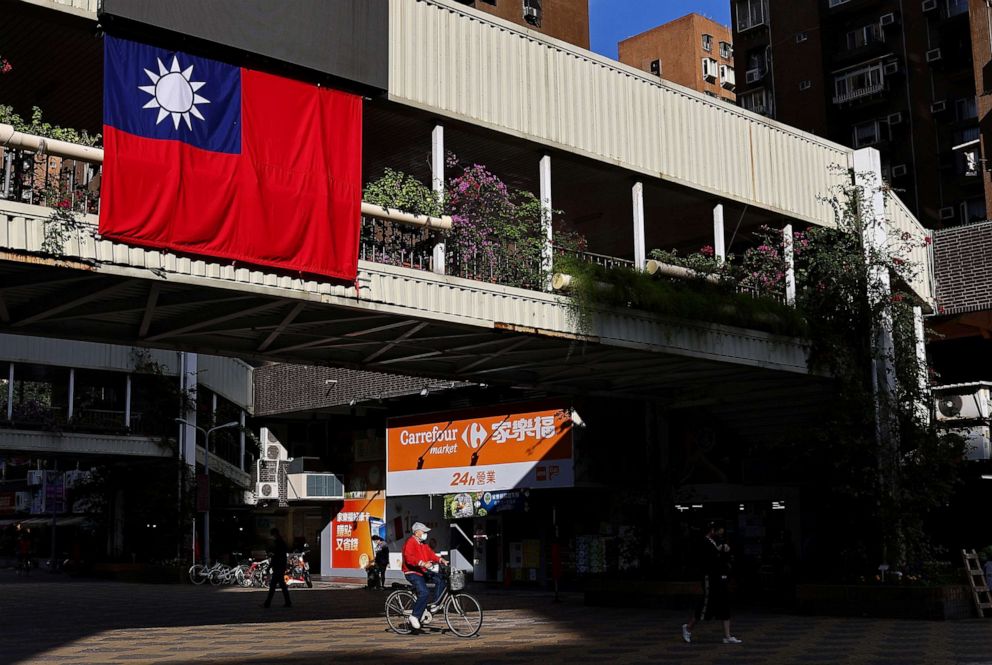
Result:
{"points": [[241, 440], [438, 257], [187, 383], [719, 242], [790, 266], [71, 408], [640, 255], [10, 392], [547, 253], [921, 364], [127, 403]]}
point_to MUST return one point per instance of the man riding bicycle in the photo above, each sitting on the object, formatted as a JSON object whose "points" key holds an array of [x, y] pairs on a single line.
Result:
{"points": [[420, 567]]}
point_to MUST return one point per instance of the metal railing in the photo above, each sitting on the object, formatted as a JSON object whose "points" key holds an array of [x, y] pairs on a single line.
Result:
{"points": [[858, 93]]}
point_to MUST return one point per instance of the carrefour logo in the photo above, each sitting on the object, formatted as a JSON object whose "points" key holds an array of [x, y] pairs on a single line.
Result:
{"points": [[474, 435]]}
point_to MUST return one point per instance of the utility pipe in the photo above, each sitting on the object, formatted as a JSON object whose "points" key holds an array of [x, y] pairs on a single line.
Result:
{"points": [[668, 270]]}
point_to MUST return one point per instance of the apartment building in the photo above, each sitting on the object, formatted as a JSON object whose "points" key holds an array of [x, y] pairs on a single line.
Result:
{"points": [[897, 76], [694, 51], [567, 20]]}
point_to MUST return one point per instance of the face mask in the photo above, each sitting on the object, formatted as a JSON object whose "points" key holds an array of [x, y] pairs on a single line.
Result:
{"points": [[423, 537]]}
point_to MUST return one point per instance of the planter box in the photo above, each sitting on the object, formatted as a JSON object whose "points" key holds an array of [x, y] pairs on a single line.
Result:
{"points": [[886, 601]]}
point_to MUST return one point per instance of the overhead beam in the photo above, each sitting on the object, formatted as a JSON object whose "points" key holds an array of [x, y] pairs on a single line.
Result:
{"points": [[331, 338], [409, 333], [90, 290], [288, 319], [146, 318], [201, 324]]}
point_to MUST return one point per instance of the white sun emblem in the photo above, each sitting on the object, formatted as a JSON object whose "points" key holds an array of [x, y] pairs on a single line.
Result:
{"points": [[173, 93]]}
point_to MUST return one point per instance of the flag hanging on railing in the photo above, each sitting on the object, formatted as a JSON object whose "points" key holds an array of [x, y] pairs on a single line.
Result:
{"points": [[206, 158]]}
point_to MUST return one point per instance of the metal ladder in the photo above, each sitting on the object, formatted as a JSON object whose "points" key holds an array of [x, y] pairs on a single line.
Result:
{"points": [[979, 585]]}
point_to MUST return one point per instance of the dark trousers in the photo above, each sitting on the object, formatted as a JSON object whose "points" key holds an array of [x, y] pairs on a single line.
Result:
{"points": [[419, 584], [278, 579]]}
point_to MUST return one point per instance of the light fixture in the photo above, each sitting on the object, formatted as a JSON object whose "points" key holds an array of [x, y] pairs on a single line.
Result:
{"points": [[577, 419], [424, 391], [353, 402]]}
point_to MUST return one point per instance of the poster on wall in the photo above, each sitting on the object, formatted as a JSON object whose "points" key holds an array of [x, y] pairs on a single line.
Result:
{"points": [[498, 448], [480, 504], [351, 535]]}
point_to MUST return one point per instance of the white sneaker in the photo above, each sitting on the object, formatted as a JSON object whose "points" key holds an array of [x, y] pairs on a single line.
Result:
{"points": [[732, 640], [686, 635], [414, 622]]}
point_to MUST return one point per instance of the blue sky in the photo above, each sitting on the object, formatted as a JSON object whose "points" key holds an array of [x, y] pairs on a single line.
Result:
{"points": [[611, 21]]}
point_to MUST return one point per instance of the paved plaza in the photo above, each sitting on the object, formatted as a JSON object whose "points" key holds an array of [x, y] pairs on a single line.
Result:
{"points": [[55, 620]]}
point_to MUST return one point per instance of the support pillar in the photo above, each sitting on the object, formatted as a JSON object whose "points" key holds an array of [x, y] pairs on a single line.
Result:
{"points": [[241, 440], [639, 245], [790, 266], [127, 403], [10, 392], [71, 408], [547, 252], [187, 383], [719, 241], [871, 209], [438, 257]]}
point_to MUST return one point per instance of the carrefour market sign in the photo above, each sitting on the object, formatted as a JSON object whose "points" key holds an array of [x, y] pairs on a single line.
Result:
{"points": [[501, 448]]}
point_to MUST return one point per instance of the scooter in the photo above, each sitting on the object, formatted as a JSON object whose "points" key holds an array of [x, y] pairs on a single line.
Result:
{"points": [[298, 570]]}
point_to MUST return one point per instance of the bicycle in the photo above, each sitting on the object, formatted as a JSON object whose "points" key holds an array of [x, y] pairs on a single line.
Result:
{"points": [[462, 612]]}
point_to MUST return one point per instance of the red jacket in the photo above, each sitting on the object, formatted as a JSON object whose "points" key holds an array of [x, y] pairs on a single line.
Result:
{"points": [[414, 552]]}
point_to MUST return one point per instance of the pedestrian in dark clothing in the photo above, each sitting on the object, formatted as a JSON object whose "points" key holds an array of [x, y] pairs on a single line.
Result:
{"points": [[277, 568], [377, 569], [715, 603]]}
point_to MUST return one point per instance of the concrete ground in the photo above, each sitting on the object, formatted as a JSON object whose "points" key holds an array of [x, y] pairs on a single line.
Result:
{"points": [[52, 619]]}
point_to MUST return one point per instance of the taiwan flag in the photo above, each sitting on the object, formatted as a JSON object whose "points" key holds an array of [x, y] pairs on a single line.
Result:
{"points": [[205, 158]]}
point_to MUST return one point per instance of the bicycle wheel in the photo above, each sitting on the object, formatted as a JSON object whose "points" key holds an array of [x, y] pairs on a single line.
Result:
{"points": [[399, 604], [463, 614], [217, 577], [197, 574]]}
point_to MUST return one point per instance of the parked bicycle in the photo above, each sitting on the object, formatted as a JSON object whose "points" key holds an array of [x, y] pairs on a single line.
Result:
{"points": [[462, 612]]}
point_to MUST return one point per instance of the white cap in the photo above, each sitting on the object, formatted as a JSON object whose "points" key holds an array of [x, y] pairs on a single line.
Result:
{"points": [[419, 526]]}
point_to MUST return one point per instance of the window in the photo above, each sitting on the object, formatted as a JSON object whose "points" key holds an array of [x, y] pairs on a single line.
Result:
{"points": [[801, 37], [532, 12], [707, 42], [836, 3], [973, 210], [751, 14], [727, 77], [655, 67], [865, 36], [860, 82], [955, 7], [966, 135], [805, 85], [755, 101], [490, 2], [726, 50], [867, 133], [710, 69], [966, 108]]}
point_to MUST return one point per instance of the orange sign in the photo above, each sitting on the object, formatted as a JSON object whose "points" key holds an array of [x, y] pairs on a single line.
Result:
{"points": [[352, 539], [499, 448]]}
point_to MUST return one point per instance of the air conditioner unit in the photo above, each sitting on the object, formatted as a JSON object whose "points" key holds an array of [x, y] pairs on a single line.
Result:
{"points": [[753, 75], [532, 15], [938, 106], [887, 19], [250, 498], [710, 69], [976, 441], [929, 5], [36, 478], [22, 502], [315, 487], [727, 78], [934, 55], [891, 68], [894, 118], [947, 213], [899, 170], [272, 449], [266, 491], [964, 401]]}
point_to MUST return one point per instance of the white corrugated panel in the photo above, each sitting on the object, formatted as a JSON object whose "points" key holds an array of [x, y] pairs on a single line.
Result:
{"points": [[458, 62], [80, 7], [419, 294], [229, 377], [901, 221], [81, 355]]}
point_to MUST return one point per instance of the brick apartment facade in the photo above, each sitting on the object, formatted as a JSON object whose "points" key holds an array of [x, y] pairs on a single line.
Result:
{"points": [[567, 20], [898, 76], [693, 51]]}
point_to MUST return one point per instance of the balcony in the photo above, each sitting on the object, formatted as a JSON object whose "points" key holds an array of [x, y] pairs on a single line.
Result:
{"points": [[859, 93]]}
